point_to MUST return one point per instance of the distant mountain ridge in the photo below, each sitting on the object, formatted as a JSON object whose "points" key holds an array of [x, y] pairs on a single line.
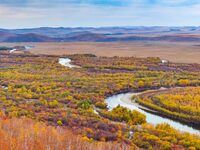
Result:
{"points": [[102, 34]]}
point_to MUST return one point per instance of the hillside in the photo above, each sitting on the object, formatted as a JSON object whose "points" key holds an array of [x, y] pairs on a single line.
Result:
{"points": [[106, 34], [31, 37]]}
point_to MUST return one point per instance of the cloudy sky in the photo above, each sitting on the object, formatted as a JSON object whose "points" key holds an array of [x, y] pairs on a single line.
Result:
{"points": [[79, 13]]}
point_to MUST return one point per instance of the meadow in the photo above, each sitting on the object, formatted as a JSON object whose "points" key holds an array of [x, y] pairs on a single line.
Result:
{"points": [[171, 51]]}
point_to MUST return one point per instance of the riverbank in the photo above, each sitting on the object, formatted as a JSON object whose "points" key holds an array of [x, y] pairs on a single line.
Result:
{"points": [[151, 109], [189, 120], [128, 100], [153, 117]]}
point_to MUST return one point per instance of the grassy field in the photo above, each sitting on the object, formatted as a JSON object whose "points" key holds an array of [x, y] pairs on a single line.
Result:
{"points": [[187, 52]]}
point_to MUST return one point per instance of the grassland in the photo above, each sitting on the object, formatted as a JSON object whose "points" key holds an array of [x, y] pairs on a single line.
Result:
{"points": [[187, 52]]}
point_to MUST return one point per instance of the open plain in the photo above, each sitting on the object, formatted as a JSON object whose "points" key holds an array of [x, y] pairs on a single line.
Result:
{"points": [[189, 51]]}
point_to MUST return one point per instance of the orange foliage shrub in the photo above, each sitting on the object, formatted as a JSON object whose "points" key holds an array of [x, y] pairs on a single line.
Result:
{"points": [[26, 134]]}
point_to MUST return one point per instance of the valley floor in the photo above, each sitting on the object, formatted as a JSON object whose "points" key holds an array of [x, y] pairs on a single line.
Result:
{"points": [[189, 51], [39, 88]]}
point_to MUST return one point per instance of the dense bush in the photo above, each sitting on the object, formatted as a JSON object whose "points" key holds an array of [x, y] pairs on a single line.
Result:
{"points": [[122, 114], [182, 104], [36, 86]]}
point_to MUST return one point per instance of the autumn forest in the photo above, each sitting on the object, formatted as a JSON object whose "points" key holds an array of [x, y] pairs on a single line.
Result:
{"points": [[46, 105]]}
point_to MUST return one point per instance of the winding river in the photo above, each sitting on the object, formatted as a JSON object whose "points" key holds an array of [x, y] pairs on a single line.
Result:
{"points": [[26, 48], [125, 101]]}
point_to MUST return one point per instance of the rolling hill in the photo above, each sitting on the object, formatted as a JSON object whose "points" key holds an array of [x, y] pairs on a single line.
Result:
{"points": [[104, 34]]}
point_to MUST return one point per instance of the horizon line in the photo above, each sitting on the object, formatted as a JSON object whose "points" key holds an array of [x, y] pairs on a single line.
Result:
{"points": [[2, 28]]}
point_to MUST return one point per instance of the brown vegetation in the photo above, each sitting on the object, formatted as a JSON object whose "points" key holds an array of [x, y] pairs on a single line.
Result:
{"points": [[186, 52], [26, 134], [38, 87], [179, 103]]}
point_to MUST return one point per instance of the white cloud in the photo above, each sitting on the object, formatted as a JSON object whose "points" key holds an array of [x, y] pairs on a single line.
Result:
{"points": [[139, 12]]}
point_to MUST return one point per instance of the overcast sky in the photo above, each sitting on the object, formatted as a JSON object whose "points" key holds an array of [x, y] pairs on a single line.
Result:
{"points": [[80, 13]]}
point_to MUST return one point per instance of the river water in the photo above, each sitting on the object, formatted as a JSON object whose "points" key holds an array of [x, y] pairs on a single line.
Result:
{"points": [[125, 101], [11, 51], [66, 62]]}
